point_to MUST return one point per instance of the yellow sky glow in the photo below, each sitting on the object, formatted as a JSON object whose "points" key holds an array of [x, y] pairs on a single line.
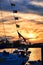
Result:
{"points": [[28, 22]]}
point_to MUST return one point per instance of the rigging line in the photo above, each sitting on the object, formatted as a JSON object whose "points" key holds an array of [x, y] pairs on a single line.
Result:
{"points": [[15, 22], [13, 16], [16, 18], [3, 23], [12, 10], [17, 29]]}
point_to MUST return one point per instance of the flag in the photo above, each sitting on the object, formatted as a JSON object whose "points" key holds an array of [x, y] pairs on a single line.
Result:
{"points": [[12, 4], [17, 25], [16, 18], [21, 36], [14, 11]]}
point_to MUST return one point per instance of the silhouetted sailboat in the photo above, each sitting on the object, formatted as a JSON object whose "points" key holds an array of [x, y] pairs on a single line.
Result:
{"points": [[18, 57]]}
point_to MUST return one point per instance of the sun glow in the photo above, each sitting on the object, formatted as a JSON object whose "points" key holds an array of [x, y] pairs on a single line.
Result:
{"points": [[32, 35]]}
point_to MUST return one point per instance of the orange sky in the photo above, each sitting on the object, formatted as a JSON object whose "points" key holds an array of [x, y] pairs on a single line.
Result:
{"points": [[31, 25]]}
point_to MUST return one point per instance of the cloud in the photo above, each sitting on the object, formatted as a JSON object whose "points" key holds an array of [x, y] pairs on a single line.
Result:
{"points": [[27, 24], [6, 18], [5, 5], [28, 6], [35, 6], [40, 23], [40, 4]]}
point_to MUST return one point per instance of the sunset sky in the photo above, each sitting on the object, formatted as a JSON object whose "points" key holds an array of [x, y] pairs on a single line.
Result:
{"points": [[30, 13], [30, 19]]}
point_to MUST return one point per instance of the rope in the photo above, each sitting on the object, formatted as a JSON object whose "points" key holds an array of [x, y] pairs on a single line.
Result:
{"points": [[16, 18]]}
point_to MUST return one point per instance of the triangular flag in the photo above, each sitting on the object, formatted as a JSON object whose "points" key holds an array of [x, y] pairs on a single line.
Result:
{"points": [[12, 4], [17, 25], [21, 36], [16, 18], [14, 11]]}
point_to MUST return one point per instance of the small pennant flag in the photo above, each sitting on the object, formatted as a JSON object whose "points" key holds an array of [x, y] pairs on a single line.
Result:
{"points": [[16, 18], [14, 11], [12, 4], [17, 25]]}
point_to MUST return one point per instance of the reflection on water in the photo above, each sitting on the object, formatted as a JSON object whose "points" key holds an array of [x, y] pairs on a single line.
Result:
{"points": [[35, 53]]}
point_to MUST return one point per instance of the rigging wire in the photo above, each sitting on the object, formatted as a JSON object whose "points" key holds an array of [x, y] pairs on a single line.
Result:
{"points": [[17, 26], [14, 11]]}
